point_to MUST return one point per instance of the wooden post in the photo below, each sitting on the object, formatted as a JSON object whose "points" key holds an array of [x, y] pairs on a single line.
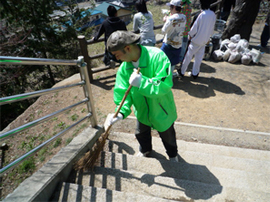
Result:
{"points": [[84, 50]]}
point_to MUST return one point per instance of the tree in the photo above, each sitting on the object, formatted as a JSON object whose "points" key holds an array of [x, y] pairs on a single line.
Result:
{"points": [[29, 30], [242, 19]]}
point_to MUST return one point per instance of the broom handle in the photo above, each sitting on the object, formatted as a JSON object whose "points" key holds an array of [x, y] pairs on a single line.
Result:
{"points": [[125, 96], [121, 104]]}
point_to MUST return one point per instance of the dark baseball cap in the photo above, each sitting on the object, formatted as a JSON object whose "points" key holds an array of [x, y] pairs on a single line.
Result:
{"points": [[120, 39]]}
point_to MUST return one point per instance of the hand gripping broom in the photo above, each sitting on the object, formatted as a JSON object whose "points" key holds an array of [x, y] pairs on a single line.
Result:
{"points": [[89, 159]]}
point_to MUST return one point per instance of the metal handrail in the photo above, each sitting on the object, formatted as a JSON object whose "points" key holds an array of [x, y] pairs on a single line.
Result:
{"points": [[35, 61], [14, 131], [85, 83], [36, 149], [20, 97]]}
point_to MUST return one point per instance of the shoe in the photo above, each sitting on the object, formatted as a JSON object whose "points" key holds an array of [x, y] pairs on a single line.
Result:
{"points": [[194, 76], [175, 75], [174, 159], [180, 75], [145, 154]]}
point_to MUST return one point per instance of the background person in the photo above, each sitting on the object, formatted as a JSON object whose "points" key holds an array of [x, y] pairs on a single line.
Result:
{"points": [[151, 95], [226, 9], [143, 23], [173, 29], [265, 32], [111, 24], [199, 35]]}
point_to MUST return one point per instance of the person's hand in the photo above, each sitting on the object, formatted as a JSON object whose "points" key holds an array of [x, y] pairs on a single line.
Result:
{"points": [[110, 120], [135, 78]]}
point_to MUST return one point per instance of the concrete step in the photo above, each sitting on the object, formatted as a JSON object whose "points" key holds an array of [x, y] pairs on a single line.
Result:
{"points": [[193, 172], [166, 187], [127, 143], [208, 134], [73, 192]]}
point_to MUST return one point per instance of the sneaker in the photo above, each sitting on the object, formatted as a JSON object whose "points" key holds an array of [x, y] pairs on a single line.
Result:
{"points": [[194, 76], [175, 75], [174, 159], [180, 75], [145, 154]]}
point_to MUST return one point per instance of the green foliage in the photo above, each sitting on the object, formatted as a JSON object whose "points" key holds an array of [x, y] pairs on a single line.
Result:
{"points": [[74, 117], [68, 140], [42, 151], [32, 29], [57, 142], [27, 165]]}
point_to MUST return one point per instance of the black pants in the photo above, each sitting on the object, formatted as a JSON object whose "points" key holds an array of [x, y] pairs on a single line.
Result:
{"points": [[143, 135], [265, 36]]}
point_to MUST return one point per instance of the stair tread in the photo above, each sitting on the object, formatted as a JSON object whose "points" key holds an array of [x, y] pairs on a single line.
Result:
{"points": [[187, 171], [196, 147], [192, 157], [75, 192], [165, 187]]}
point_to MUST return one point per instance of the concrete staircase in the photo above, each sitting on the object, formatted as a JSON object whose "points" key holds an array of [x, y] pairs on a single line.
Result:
{"points": [[205, 173]]}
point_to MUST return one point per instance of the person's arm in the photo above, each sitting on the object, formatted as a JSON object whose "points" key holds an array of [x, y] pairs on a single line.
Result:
{"points": [[100, 32], [167, 26], [161, 82], [120, 88], [194, 28]]}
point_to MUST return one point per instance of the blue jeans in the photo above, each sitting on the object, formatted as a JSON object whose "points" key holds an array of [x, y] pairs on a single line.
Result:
{"points": [[143, 135], [172, 53]]}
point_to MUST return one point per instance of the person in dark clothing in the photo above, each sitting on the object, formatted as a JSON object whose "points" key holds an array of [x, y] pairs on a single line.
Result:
{"points": [[214, 8], [111, 24], [265, 32], [228, 4]]}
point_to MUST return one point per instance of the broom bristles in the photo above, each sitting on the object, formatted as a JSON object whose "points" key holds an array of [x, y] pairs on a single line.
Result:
{"points": [[88, 161]]}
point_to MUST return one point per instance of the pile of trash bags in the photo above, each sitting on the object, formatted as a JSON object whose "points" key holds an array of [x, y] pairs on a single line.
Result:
{"points": [[236, 49]]}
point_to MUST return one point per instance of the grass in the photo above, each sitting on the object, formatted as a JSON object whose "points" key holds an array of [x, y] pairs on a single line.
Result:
{"points": [[27, 165], [74, 117]]}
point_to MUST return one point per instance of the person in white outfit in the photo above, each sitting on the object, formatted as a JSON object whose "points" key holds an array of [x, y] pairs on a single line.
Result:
{"points": [[199, 34], [143, 23]]}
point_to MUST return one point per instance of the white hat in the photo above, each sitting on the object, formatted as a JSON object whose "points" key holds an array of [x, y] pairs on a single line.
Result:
{"points": [[175, 3]]}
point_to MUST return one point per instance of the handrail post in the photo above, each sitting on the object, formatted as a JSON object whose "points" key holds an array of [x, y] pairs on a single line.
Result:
{"points": [[87, 90], [4, 147], [83, 46]]}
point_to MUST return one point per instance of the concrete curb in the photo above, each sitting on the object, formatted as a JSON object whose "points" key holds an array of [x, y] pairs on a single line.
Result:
{"points": [[41, 185]]}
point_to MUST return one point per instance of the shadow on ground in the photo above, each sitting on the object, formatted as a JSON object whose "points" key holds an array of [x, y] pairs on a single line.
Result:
{"points": [[204, 87]]}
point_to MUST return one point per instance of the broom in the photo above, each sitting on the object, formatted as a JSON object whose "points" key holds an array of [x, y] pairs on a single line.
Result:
{"points": [[89, 159]]}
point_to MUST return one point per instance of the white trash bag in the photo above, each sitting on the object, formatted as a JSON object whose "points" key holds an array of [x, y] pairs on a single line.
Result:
{"points": [[234, 57], [256, 55], [235, 38], [226, 54], [232, 46], [246, 59], [217, 55], [242, 45]]}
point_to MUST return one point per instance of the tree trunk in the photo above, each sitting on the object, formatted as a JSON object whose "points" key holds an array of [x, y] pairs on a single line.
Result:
{"points": [[242, 19]]}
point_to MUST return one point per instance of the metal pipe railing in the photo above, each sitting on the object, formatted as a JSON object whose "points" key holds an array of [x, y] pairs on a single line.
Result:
{"points": [[14, 131], [35, 61], [36, 149], [85, 83], [20, 97]]}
